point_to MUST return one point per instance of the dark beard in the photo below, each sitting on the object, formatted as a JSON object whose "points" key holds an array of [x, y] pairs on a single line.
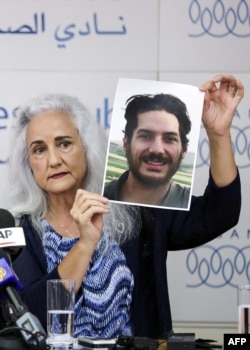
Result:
{"points": [[148, 181]]}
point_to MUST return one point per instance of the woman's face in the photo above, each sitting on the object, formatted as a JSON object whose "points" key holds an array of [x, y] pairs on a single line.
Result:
{"points": [[56, 154]]}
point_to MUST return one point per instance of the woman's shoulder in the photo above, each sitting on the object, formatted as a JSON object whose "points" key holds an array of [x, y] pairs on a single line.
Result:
{"points": [[30, 232]]}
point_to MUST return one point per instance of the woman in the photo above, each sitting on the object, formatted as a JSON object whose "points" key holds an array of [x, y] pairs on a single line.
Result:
{"points": [[56, 170], [56, 159]]}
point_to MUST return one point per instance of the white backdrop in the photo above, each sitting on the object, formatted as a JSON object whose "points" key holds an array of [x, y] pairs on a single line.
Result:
{"points": [[82, 47]]}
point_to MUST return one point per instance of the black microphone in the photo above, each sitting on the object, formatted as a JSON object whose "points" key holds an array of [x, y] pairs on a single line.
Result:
{"points": [[11, 241], [12, 238]]}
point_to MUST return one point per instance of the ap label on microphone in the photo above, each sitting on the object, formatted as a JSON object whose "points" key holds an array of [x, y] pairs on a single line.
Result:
{"points": [[5, 233], [12, 237], [237, 341]]}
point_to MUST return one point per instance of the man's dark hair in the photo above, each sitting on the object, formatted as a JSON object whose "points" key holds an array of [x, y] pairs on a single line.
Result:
{"points": [[144, 103]]}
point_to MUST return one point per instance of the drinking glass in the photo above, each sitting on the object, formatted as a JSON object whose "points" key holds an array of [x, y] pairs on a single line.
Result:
{"points": [[244, 308], [60, 311]]}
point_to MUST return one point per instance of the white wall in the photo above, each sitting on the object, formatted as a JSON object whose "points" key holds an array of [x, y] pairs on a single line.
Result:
{"points": [[82, 47]]}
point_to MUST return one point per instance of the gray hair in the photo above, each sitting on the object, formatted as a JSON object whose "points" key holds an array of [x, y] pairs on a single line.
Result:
{"points": [[26, 197]]}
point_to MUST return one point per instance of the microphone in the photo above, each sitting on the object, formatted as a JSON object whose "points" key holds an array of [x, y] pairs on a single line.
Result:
{"points": [[11, 241], [12, 238]]}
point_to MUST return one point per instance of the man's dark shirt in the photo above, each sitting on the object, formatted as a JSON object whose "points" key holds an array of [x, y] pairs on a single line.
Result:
{"points": [[176, 197]]}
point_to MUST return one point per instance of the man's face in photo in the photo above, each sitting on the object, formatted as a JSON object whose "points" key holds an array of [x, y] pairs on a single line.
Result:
{"points": [[155, 151]]}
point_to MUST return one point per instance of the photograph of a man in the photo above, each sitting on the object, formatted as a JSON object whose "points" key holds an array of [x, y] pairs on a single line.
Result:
{"points": [[155, 143]]}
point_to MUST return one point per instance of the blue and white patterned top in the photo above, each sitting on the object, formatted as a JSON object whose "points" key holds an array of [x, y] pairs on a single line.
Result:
{"points": [[103, 309]]}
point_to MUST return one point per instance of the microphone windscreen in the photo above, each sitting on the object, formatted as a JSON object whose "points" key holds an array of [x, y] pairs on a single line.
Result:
{"points": [[12, 238], [6, 219]]}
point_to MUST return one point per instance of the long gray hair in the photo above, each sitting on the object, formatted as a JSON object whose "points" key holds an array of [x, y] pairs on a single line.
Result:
{"points": [[26, 197]]}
